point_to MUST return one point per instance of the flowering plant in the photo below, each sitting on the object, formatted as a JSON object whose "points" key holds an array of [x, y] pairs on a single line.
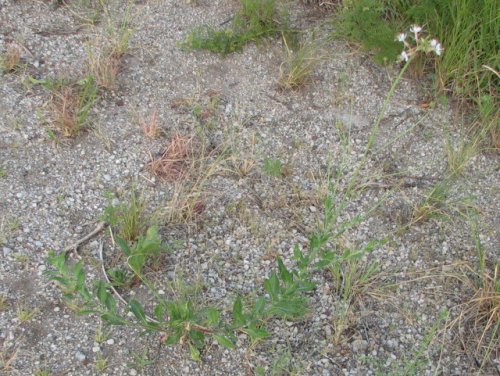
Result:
{"points": [[415, 41]]}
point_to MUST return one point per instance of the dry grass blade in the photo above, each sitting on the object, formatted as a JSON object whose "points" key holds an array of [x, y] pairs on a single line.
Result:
{"points": [[10, 60], [104, 66], [150, 127], [175, 161], [479, 317], [297, 70], [64, 108]]}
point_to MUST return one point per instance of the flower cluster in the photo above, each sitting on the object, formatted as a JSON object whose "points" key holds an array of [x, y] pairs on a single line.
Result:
{"points": [[415, 42]]}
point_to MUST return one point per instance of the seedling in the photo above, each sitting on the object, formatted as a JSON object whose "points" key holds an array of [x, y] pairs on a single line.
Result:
{"points": [[273, 167], [141, 361], [101, 363], [24, 314]]}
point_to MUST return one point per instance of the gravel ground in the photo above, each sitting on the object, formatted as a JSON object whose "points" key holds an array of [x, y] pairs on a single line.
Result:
{"points": [[53, 193]]}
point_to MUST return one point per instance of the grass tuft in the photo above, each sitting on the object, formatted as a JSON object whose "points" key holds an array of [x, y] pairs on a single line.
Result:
{"points": [[255, 20], [10, 60], [301, 62]]}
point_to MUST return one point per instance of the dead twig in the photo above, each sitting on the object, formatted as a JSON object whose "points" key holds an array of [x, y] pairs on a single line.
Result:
{"points": [[100, 226]]}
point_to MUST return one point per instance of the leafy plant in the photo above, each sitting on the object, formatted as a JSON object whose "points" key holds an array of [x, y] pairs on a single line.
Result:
{"points": [[273, 167], [147, 247]]}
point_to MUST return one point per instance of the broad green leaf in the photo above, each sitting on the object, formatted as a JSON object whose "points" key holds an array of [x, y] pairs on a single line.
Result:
{"points": [[272, 286], [285, 275], [258, 309], [102, 292], [113, 319], [123, 245], [136, 263], [172, 339], [223, 341], [318, 240], [137, 310], [238, 317], [195, 353], [289, 308], [256, 333]]}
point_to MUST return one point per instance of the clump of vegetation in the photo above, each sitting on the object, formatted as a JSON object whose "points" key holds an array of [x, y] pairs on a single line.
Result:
{"points": [[366, 21], [469, 29], [9, 62], [71, 103], [256, 19], [106, 51], [127, 218], [176, 158], [301, 62]]}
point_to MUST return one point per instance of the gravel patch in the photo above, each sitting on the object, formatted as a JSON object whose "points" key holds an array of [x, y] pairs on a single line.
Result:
{"points": [[53, 193]]}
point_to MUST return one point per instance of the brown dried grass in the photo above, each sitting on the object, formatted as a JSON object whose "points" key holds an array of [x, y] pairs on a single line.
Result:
{"points": [[10, 60], [176, 159], [64, 108]]}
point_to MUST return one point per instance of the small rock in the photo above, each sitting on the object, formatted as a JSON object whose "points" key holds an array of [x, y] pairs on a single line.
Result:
{"points": [[359, 345], [80, 356], [6, 251], [110, 341], [132, 372]]}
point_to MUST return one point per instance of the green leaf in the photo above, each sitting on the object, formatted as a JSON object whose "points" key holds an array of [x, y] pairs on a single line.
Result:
{"points": [[213, 316], [326, 259], [63, 281], [137, 310], [136, 263], [256, 333], [101, 292], [272, 286], [172, 339], [195, 353], [285, 275], [123, 245], [238, 317], [113, 319], [159, 311], [318, 240], [223, 341], [258, 309], [289, 308]]}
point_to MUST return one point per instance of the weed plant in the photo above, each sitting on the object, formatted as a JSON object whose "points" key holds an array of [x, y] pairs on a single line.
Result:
{"points": [[71, 103], [256, 19], [469, 29], [128, 218]]}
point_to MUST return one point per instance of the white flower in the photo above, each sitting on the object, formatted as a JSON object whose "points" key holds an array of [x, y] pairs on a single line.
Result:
{"points": [[416, 29], [438, 49], [401, 37], [403, 56]]}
